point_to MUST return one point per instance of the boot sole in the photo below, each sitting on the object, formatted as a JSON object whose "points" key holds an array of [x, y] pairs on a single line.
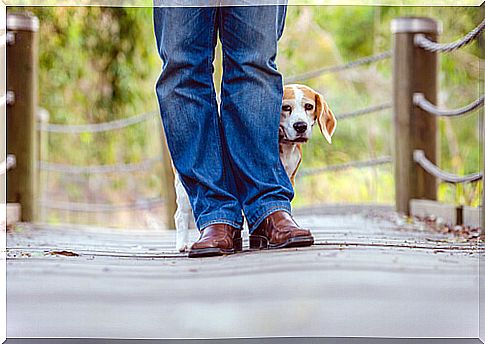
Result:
{"points": [[257, 242], [215, 251]]}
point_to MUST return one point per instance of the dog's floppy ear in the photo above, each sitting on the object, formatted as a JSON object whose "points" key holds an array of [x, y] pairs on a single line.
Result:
{"points": [[325, 117]]}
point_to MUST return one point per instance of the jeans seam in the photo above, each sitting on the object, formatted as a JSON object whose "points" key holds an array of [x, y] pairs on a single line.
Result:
{"points": [[223, 93], [215, 12]]}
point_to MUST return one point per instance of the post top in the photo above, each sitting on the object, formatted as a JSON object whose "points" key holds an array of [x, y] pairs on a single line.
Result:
{"points": [[22, 21], [416, 25]]}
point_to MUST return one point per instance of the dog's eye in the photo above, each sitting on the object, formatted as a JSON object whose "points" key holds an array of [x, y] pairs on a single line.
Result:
{"points": [[286, 108], [308, 107]]}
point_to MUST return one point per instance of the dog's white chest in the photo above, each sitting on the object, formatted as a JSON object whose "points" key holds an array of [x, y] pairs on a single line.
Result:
{"points": [[290, 157]]}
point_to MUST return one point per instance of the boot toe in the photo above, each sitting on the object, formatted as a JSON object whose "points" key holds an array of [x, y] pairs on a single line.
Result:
{"points": [[300, 232], [217, 239]]}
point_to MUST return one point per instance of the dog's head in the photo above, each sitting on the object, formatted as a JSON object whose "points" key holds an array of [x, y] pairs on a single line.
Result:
{"points": [[302, 108]]}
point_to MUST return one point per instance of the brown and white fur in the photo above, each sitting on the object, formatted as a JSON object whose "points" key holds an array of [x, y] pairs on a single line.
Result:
{"points": [[302, 107]]}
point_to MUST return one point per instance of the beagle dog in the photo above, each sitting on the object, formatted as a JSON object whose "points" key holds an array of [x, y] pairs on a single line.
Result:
{"points": [[302, 107]]}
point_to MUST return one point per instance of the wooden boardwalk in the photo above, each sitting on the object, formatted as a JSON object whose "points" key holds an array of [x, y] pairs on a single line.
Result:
{"points": [[369, 274]]}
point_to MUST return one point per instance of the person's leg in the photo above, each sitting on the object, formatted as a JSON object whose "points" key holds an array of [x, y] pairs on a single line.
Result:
{"points": [[252, 93], [186, 38]]}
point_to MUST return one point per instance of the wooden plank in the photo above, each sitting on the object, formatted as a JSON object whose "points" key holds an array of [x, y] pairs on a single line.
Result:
{"points": [[382, 286], [447, 212], [471, 216], [331, 230], [424, 208], [326, 294], [10, 214]]}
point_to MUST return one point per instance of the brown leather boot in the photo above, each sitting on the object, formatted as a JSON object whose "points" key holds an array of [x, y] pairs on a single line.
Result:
{"points": [[216, 240], [279, 230]]}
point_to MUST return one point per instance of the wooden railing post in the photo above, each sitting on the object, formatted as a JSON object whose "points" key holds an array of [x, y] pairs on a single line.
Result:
{"points": [[414, 70], [22, 54]]}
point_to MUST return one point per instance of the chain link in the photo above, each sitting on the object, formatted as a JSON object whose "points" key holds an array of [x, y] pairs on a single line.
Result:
{"points": [[420, 101], [11, 162], [98, 127], [421, 41], [353, 164], [365, 111], [338, 68], [420, 158]]}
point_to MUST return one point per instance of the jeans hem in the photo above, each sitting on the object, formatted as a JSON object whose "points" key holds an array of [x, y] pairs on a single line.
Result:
{"points": [[234, 223], [265, 211]]}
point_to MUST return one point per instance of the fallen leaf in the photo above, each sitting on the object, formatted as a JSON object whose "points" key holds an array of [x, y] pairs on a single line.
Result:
{"points": [[64, 253]]}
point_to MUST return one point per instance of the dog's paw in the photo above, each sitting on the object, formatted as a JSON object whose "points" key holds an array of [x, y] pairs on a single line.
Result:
{"points": [[182, 247]]}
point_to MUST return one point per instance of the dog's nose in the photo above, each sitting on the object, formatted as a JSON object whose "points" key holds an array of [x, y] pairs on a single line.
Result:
{"points": [[300, 127]]}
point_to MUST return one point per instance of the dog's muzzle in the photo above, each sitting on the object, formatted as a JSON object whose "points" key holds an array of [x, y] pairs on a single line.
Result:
{"points": [[284, 139]]}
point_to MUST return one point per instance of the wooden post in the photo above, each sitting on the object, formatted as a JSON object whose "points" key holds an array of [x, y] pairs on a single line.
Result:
{"points": [[414, 70], [3, 106], [21, 115]]}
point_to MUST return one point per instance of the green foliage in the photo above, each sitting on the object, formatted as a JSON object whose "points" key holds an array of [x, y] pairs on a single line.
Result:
{"points": [[97, 64], [352, 28]]}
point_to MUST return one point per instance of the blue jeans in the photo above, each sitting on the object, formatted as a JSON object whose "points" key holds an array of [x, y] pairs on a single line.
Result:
{"points": [[228, 160]]}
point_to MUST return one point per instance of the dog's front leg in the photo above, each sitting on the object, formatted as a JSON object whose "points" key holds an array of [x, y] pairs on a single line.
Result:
{"points": [[182, 215]]}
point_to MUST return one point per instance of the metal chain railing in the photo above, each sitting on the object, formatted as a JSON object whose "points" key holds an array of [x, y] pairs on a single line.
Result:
{"points": [[420, 101], [421, 41], [333, 69], [99, 169], [353, 164], [98, 127], [420, 158], [140, 204], [370, 109]]}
